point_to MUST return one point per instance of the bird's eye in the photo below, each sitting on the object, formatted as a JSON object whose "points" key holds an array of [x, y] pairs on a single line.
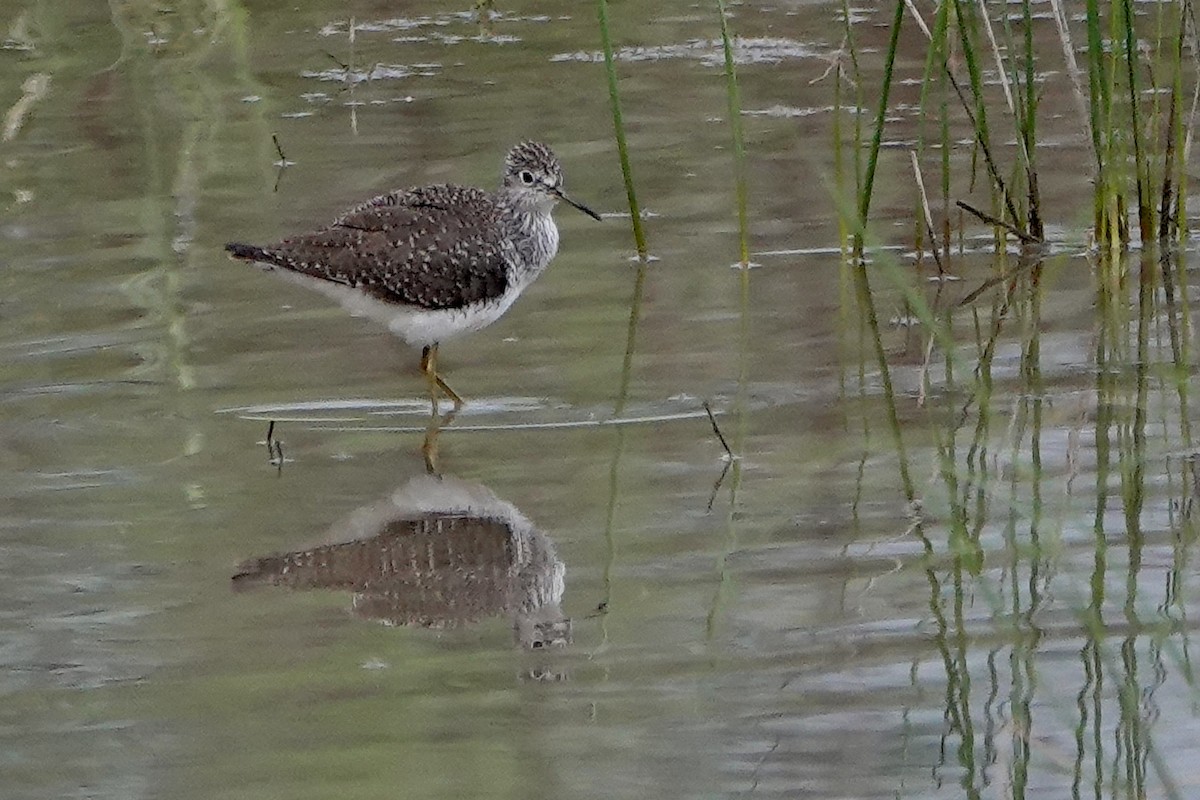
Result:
{"points": [[527, 177]]}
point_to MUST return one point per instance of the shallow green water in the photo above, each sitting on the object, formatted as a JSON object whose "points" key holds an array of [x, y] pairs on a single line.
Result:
{"points": [[789, 635]]}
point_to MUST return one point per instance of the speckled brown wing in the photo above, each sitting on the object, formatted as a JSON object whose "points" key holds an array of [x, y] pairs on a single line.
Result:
{"points": [[437, 247], [441, 570]]}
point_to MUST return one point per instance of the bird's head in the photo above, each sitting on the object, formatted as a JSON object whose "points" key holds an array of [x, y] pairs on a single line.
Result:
{"points": [[533, 176]]}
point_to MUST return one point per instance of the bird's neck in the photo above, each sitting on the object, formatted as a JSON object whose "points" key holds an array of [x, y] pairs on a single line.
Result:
{"points": [[531, 229]]}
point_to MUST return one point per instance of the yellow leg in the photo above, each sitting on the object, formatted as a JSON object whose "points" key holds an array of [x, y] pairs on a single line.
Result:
{"points": [[427, 357], [429, 447], [429, 369]]}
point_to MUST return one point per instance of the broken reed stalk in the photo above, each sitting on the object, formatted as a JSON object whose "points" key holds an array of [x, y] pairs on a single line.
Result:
{"points": [[712, 420], [976, 113], [926, 212]]}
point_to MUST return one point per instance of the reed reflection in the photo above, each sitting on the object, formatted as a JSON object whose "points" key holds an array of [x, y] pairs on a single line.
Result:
{"points": [[1026, 559], [437, 552]]}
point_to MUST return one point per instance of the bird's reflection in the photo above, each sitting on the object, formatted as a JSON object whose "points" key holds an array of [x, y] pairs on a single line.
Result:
{"points": [[438, 552]]}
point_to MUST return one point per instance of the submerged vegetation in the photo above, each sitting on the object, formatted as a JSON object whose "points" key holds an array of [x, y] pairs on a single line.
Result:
{"points": [[1004, 490], [1015, 455], [1135, 99]]}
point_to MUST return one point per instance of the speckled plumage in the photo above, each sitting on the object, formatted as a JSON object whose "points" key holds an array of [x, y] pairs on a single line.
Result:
{"points": [[437, 247], [435, 261], [437, 552]]}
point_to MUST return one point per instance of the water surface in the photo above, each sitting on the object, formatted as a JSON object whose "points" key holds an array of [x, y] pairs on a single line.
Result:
{"points": [[792, 632]]}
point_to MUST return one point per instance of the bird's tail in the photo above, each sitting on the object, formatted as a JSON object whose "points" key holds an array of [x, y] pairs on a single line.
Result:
{"points": [[249, 252]]}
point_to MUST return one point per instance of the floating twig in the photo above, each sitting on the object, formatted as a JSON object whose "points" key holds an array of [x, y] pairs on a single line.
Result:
{"points": [[283, 161], [712, 498], [274, 448], [730, 457], [994, 281], [989, 219], [933, 247], [713, 421]]}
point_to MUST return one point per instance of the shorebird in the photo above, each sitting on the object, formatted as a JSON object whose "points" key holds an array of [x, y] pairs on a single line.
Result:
{"points": [[437, 552], [433, 262]]}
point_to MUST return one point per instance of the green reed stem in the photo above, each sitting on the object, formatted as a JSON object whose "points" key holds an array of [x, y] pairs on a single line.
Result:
{"points": [[1099, 115], [859, 103], [635, 313], [639, 236], [1098, 94], [868, 185], [1167, 221], [614, 468], [855, 80], [735, 129], [934, 59], [1171, 263], [1140, 157], [867, 304], [1028, 128], [862, 282], [947, 143], [977, 112], [839, 158], [725, 578]]}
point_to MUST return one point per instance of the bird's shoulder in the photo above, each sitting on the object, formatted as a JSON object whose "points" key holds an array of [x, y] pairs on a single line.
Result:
{"points": [[431, 207]]}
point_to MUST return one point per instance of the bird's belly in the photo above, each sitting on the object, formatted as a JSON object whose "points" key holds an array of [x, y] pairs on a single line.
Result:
{"points": [[424, 326], [417, 326]]}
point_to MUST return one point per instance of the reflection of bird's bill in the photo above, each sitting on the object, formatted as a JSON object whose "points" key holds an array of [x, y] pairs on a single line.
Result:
{"points": [[580, 206], [546, 627]]}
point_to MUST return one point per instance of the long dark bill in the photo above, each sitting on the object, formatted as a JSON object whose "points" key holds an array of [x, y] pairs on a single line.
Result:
{"points": [[579, 206]]}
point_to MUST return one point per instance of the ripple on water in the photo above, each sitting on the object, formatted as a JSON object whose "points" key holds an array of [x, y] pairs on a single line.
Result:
{"points": [[751, 50], [486, 413]]}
